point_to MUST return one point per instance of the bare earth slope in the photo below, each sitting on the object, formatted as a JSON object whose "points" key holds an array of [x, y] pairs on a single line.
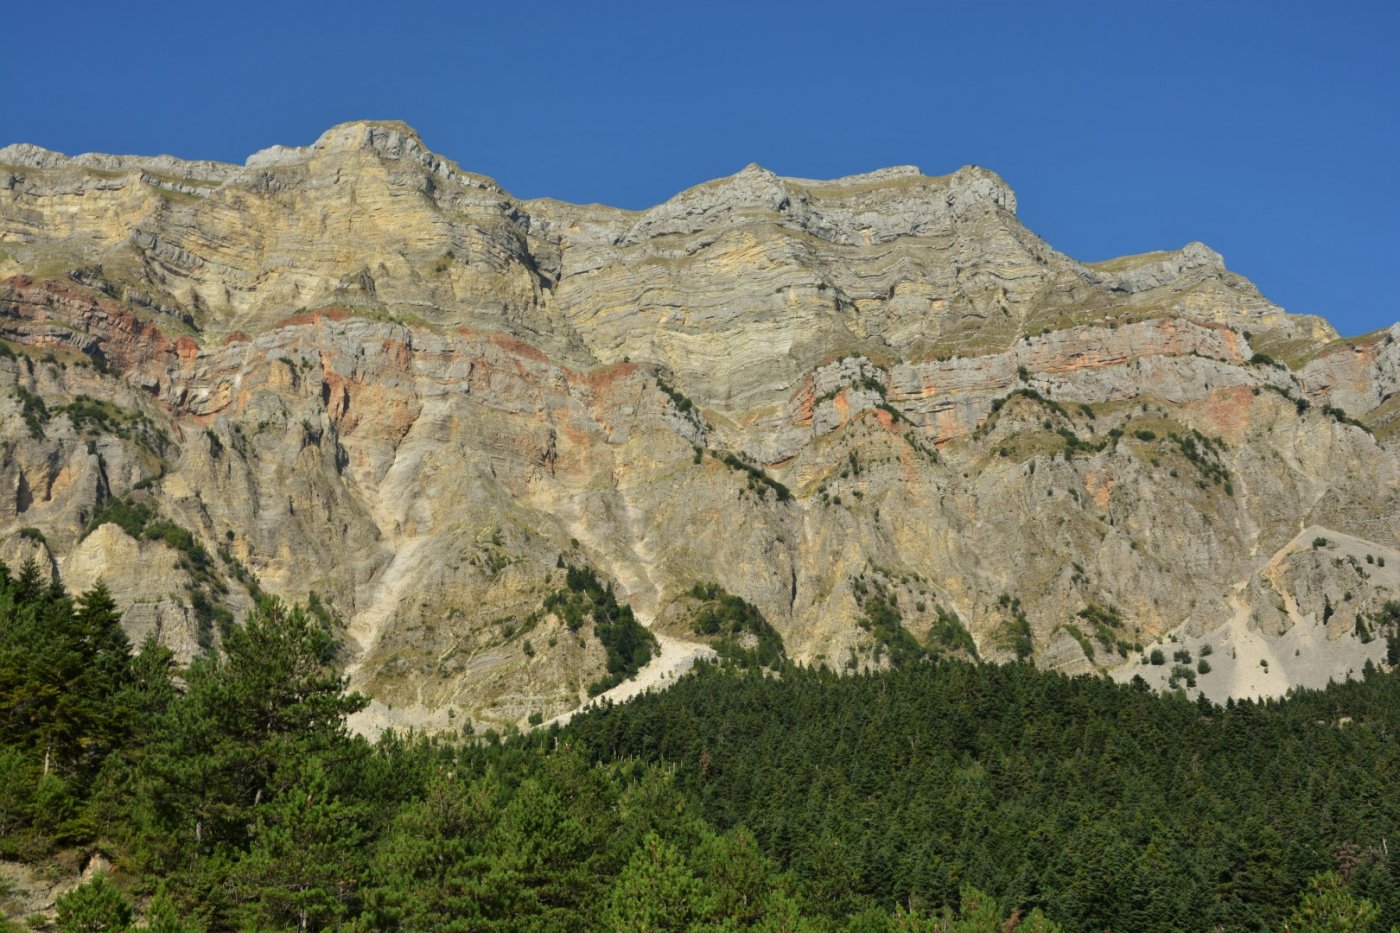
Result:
{"points": [[356, 370]]}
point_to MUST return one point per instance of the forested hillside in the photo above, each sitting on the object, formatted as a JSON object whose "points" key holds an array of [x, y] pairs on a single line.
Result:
{"points": [[1111, 807], [946, 795]]}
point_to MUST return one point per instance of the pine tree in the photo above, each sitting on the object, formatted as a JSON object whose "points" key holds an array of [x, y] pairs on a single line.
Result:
{"points": [[303, 868], [93, 907], [162, 916], [62, 668], [1328, 907], [430, 871], [101, 685], [655, 892], [245, 736], [742, 877]]}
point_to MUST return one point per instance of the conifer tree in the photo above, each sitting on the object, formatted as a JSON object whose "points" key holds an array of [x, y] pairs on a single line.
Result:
{"points": [[245, 733], [94, 907], [657, 891], [1328, 907]]}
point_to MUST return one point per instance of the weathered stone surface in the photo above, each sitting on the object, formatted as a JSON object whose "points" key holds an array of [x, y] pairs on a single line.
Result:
{"points": [[146, 580], [354, 369]]}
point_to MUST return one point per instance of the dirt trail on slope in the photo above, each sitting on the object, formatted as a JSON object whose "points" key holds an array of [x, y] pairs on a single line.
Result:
{"points": [[639, 590], [674, 659], [632, 569]]}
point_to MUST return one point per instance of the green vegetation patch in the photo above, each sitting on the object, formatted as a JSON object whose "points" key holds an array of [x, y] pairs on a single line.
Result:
{"points": [[1033, 395], [683, 404], [948, 634], [1386, 622], [1182, 675], [1078, 635], [129, 515], [92, 415], [30, 533], [759, 482], [1341, 417], [626, 641], [882, 618], [1301, 405], [1015, 633], [1204, 454], [736, 628], [33, 410], [917, 781], [1107, 623]]}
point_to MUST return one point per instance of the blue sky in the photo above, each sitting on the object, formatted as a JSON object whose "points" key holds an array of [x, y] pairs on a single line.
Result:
{"points": [[1269, 130]]}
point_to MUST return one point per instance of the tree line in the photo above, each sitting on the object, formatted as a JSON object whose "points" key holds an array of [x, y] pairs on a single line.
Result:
{"points": [[229, 794]]}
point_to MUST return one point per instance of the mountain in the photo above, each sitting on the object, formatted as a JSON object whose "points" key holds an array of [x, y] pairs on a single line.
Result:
{"points": [[878, 410]]}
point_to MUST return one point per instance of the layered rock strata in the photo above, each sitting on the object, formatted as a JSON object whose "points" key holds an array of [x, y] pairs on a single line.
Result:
{"points": [[355, 370]]}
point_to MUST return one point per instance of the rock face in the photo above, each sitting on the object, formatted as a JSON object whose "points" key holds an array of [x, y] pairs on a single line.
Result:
{"points": [[355, 370]]}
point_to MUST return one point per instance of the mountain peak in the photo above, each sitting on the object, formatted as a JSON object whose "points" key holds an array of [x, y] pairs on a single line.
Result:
{"points": [[754, 169], [392, 139], [1145, 271], [387, 139], [973, 184]]}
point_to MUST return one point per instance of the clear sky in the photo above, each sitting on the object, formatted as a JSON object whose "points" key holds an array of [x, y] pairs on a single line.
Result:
{"points": [[1269, 130]]}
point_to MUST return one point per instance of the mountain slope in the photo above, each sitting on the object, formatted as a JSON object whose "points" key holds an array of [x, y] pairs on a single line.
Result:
{"points": [[862, 405]]}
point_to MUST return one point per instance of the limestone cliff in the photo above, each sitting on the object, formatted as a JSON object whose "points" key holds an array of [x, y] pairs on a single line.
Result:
{"points": [[356, 370]]}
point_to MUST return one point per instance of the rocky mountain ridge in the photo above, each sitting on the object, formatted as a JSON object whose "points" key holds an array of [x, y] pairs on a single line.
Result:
{"points": [[356, 370]]}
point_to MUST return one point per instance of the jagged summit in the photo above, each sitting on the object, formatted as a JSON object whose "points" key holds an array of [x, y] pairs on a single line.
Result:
{"points": [[890, 261], [398, 141], [1150, 270], [392, 139], [388, 139], [28, 155], [988, 278]]}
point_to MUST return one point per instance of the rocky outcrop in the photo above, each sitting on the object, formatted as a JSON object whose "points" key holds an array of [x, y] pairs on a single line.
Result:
{"points": [[355, 370]]}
